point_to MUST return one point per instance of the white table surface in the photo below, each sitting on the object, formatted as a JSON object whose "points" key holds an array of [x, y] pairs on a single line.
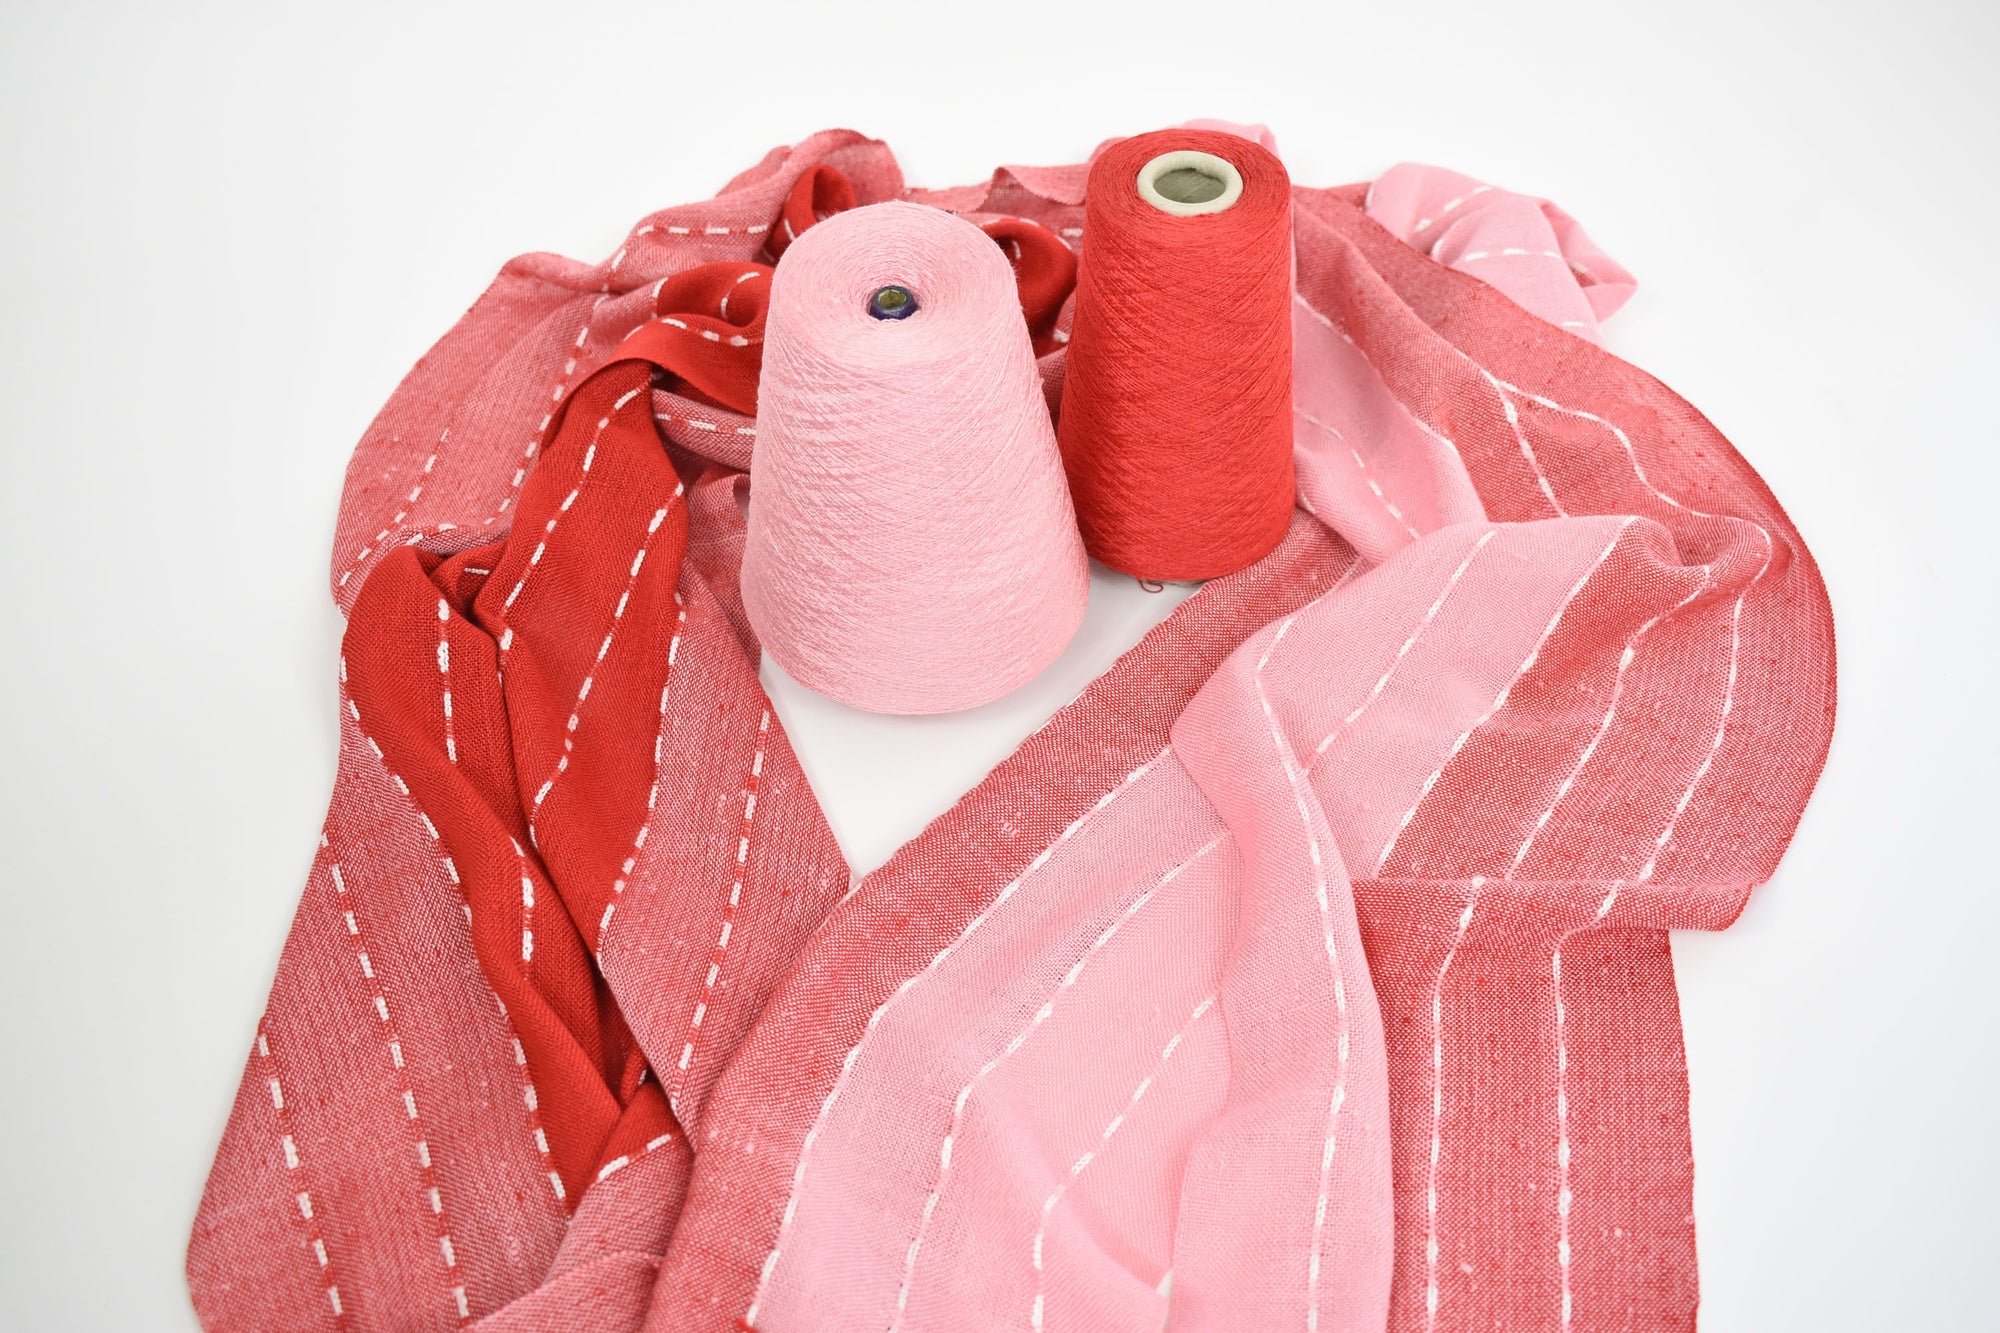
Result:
{"points": [[225, 232]]}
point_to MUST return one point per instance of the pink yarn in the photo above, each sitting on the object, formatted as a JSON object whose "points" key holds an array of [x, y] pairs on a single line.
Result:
{"points": [[911, 545]]}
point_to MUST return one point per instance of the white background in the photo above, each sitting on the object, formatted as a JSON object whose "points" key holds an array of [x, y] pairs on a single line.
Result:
{"points": [[224, 235]]}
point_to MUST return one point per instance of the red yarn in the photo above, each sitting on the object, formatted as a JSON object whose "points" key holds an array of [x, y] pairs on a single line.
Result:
{"points": [[1176, 426]]}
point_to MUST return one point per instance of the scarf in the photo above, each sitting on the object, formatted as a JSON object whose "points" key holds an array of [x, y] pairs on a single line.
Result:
{"points": [[1309, 968]]}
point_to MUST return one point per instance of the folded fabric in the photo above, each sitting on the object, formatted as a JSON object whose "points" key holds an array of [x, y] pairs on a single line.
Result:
{"points": [[1526, 247], [1310, 968]]}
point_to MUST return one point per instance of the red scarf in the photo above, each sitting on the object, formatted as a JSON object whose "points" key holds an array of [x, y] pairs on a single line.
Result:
{"points": [[577, 984]]}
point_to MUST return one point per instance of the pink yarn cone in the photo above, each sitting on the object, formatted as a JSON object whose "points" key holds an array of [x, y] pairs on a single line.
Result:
{"points": [[911, 545]]}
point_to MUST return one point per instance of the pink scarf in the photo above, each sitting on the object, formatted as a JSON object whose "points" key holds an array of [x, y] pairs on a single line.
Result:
{"points": [[1311, 966]]}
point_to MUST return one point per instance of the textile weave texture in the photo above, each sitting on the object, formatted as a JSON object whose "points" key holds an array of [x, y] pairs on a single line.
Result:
{"points": [[1309, 970]]}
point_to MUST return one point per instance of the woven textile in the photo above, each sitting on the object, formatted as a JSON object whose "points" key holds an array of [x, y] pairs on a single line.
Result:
{"points": [[1308, 970]]}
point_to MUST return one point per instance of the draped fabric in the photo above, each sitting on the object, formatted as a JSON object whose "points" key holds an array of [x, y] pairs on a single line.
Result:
{"points": [[1308, 969]]}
